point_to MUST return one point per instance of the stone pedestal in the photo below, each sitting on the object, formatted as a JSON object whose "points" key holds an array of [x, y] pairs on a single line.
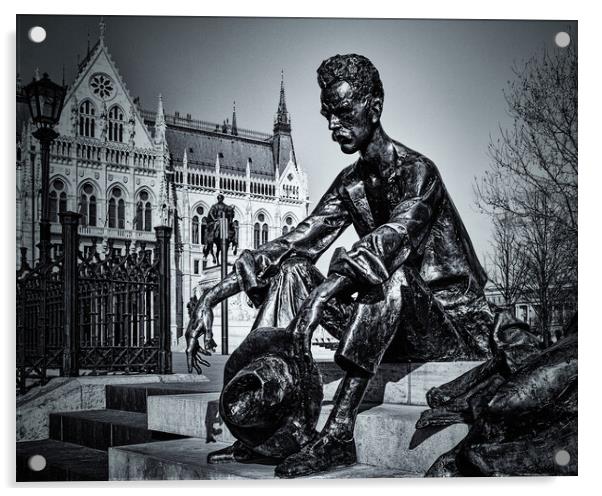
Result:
{"points": [[388, 444]]}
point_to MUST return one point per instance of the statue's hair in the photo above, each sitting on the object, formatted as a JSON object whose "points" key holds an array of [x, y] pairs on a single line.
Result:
{"points": [[356, 70]]}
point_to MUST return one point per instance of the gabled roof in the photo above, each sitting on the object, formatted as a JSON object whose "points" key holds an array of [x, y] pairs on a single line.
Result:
{"points": [[99, 49]]}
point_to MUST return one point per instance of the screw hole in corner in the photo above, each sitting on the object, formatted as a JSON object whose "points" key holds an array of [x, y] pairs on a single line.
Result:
{"points": [[37, 34], [562, 39], [562, 458], [37, 463]]}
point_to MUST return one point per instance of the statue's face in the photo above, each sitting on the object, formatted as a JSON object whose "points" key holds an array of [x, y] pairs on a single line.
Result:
{"points": [[351, 118]]}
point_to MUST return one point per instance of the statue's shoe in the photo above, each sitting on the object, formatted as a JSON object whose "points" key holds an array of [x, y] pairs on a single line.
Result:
{"points": [[237, 452], [325, 453]]}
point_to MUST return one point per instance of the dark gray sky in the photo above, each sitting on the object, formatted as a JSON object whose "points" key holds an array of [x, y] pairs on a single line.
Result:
{"points": [[443, 80]]}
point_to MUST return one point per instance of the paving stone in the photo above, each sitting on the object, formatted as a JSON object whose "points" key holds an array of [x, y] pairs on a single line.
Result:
{"points": [[64, 462], [186, 459]]}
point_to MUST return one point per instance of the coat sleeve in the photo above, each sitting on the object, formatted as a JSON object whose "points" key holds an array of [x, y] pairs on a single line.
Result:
{"points": [[309, 239], [377, 255]]}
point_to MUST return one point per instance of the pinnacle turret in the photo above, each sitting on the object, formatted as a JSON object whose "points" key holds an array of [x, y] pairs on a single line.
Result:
{"points": [[160, 126], [234, 127], [282, 122]]}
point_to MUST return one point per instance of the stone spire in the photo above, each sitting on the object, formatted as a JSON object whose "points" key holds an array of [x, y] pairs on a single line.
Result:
{"points": [[282, 141], [282, 123], [101, 29], [160, 126], [248, 177], [185, 169], [234, 127]]}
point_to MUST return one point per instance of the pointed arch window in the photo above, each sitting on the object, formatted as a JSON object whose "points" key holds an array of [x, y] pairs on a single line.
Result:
{"points": [[87, 119], [87, 205], [116, 124], [256, 235], [204, 231], [260, 231], [144, 212], [58, 200], [195, 230], [199, 226], [116, 211], [288, 224], [264, 234]]}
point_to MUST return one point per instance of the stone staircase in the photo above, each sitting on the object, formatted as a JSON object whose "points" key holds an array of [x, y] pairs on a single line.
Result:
{"points": [[78, 441], [387, 442], [159, 431]]}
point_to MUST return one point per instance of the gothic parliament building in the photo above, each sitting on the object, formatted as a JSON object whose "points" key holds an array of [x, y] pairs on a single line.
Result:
{"points": [[127, 170]]}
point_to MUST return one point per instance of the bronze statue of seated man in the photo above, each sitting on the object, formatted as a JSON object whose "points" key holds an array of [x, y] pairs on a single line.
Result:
{"points": [[410, 288]]}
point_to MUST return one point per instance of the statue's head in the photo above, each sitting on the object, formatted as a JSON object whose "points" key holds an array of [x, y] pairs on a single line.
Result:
{"points": [[220, 198], [352, 99]]}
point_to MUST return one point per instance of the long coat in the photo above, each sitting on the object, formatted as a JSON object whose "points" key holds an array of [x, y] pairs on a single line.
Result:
{"points": [[423, 230]]}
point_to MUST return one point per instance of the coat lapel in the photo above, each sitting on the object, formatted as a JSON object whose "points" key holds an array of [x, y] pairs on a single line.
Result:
{"points": [[357, 195]]}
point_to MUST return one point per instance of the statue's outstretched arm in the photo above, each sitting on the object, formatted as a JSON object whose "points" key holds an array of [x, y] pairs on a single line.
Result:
{"points": [[199, 334]]}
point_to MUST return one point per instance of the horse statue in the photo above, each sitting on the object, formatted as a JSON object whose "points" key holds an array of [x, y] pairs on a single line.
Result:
{"points": [[213, 232]]}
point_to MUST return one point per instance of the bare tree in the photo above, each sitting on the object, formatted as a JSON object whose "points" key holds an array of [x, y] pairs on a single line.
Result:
{"points": [[551, 267], [538, 152], [532, 184], [507, 267]]}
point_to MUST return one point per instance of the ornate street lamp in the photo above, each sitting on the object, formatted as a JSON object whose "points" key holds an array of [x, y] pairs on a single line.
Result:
{"points": [[45, 99]]}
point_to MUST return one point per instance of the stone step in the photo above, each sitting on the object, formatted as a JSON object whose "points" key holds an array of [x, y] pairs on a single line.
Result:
{"points": [[385, 434], [190, 415], [132, 397], [64, 462], [397, 383], [63, 394], [100, 429], [186, 459]]}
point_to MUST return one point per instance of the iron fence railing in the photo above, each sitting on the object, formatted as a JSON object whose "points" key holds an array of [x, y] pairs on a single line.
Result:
{"points": [[96, 313]]}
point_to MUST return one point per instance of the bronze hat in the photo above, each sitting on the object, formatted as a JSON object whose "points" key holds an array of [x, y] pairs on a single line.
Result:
{"points": [[271, 397]]}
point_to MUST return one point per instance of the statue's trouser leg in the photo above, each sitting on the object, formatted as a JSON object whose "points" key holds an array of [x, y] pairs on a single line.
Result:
{"points": [[366, 329], [403, 318], [341, 421]]}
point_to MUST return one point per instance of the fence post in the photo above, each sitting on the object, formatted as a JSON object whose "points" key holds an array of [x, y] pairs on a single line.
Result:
{"points": [[70, 364], [163, 234]]}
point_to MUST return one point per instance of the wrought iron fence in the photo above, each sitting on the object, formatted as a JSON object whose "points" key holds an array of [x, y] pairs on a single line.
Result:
{"points": [[39, 306], [96, 313]]}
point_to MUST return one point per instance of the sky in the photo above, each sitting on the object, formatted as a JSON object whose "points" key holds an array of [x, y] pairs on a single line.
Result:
{"points": [[443, 80]]}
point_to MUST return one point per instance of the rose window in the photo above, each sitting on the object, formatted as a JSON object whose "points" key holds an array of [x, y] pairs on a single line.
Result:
{"points": [[102, 86]]}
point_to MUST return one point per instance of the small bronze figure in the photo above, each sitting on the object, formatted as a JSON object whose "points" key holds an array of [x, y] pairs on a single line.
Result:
{"points": [[410, 288], [213, 233]]}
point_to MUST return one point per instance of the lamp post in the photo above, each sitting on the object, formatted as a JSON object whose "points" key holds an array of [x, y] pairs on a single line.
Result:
{"points": [[45, 99], [224, 231]]}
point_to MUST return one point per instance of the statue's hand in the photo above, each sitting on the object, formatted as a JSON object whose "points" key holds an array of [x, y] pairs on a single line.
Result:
{"points": [[199, 337], [306, 321]]}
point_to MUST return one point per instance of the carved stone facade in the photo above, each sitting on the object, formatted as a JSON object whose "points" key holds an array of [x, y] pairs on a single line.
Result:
{"points": [[127, 170]]}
